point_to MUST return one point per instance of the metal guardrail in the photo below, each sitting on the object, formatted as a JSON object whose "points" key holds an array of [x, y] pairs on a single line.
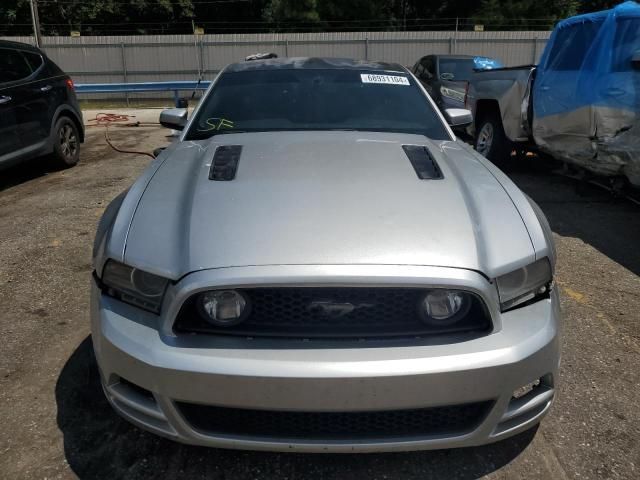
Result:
{"points": [[175, 87]]}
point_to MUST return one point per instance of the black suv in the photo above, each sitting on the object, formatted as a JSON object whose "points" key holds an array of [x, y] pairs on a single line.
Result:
{"points": [[39, 111]]}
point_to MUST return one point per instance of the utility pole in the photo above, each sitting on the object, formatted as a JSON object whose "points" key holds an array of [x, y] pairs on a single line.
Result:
{"points": [[36, 22], [455, 38]]}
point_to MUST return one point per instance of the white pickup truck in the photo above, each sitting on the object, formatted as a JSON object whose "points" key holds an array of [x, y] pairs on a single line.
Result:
{"points": [[581, 104]]}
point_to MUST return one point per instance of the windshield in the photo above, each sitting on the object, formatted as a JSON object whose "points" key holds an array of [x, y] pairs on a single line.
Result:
{"points": [[456, 69], [316, 99]]}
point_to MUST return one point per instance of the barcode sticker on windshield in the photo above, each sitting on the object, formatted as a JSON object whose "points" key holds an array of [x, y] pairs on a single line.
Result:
{"points": [[387, 79]]}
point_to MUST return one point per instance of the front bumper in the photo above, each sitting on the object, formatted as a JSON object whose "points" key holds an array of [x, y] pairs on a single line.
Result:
{"points": [[130, 345]]}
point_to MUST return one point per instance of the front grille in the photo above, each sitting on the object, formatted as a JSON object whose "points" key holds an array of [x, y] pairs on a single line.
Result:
{"points": [[423, 422], [333, 312]]}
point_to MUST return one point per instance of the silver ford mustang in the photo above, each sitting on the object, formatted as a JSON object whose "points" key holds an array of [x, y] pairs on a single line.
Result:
{"points": [[319, 265]]}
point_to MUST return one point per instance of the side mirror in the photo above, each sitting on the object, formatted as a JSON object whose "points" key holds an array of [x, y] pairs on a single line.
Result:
{"points": [[175, 118], [635, 60], [458, 117]]}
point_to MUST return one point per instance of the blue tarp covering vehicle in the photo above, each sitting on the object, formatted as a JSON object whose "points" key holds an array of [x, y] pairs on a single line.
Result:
{"points": [[581, 103], [586, 94]]}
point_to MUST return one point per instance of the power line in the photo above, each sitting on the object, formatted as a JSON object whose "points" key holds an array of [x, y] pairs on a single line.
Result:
{"points": [[292, 29], [184, 25], [421, 21]]}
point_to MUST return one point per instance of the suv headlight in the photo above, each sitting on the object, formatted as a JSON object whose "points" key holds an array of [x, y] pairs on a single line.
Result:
{"points": [[524, 284], [451, 93], [134, 286]]}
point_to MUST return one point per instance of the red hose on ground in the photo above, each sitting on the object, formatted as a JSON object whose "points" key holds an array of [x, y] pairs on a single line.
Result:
{"points": [[120, 120]]}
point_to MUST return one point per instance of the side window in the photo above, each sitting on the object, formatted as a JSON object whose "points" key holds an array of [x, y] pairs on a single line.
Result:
{"points": [[14, 66], [33, 59], [429, 67], [625, 44]]}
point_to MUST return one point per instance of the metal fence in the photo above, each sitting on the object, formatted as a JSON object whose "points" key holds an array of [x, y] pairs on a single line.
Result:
{"points": [[151, 58]]}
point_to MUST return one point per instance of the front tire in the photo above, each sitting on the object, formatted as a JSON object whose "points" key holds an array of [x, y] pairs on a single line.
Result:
{"points": [[491, 141], [66, 143]]}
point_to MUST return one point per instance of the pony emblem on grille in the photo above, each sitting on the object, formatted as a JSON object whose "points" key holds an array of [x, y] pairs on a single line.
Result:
{"points": [[328, 308]]}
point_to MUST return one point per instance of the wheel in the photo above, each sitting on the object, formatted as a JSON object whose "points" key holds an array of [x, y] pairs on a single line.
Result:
{"points": [[66, 143], [491, 141]]}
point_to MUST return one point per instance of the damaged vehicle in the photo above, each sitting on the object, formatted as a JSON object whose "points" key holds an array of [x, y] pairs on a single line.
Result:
{"points": [[319, 265], [581, 104]]}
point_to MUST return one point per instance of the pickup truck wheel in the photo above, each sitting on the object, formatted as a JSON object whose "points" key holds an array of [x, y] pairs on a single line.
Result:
{"points": [[66, 143], [491, 140]]}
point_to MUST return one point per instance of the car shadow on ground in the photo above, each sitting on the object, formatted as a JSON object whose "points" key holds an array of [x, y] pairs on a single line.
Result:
{"points": [[99, 444], [23, 172], [581, 210]]}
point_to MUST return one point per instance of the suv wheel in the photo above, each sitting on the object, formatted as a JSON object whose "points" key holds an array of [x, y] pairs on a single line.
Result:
{"points": [[491, 141], [66, 143]]}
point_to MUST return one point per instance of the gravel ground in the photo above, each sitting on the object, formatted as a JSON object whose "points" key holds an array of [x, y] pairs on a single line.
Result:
{"points": [[57, 424]]}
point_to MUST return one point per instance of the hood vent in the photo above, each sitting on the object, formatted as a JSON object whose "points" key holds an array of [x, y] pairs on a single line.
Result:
{"points": [[423, 162], [225, 163]]}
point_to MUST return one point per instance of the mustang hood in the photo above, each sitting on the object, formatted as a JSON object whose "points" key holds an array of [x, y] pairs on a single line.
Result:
{"points": [[325, 198]]}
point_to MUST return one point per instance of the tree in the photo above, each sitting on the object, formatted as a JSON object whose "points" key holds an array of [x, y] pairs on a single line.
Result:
{"points": [[286, 13], [595, 5], [14, 11], [58, 17], [354, 10], [524, 14]]}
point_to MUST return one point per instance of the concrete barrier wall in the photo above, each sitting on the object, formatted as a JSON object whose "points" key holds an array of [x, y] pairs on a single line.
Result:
{"points": [[148, 58]]}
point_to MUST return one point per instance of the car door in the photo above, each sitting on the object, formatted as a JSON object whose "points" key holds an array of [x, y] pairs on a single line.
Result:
{"points": [[33, 112], [620, 88], [9, 137], [560, 97], [14, 69]]}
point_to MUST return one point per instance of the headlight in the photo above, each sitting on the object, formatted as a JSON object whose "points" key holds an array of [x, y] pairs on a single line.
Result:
{"points": [[451, 93], [223, 308], [445, 307], [525, 284], [134, 286]]}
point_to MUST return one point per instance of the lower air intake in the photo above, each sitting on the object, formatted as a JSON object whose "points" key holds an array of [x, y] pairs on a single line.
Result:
{"points": [[423, 422]]}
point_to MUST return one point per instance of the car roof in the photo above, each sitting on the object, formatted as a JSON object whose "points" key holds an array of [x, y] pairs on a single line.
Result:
{"points": [[455, 56], [19, 45], [314, 63]]}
